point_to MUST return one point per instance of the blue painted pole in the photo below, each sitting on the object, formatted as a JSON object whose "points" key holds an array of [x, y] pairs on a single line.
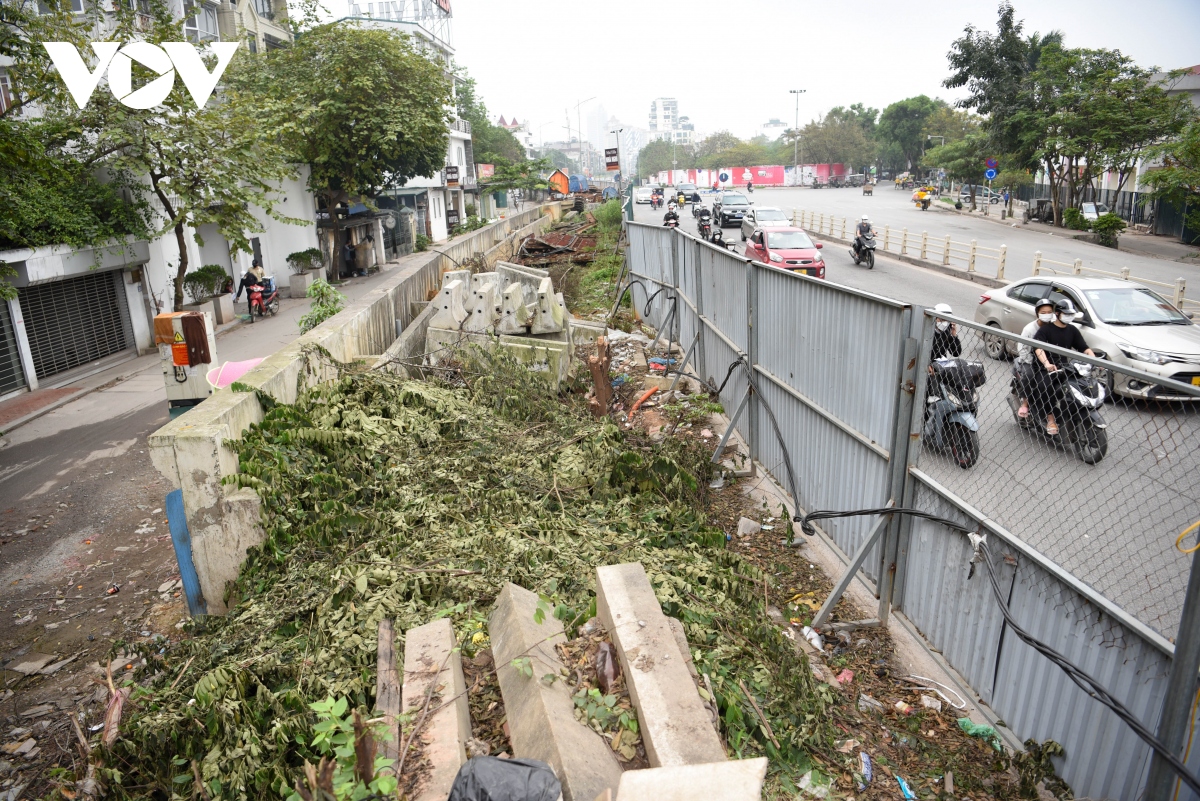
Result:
{"points": [[182, 541]]}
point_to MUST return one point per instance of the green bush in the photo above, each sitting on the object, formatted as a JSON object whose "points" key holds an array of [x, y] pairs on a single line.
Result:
{"points": [[1107, 228], [304, 260], [1073, 219], [471, 223], [609, 214], [205, 282], [421, 243], [326, 302]]}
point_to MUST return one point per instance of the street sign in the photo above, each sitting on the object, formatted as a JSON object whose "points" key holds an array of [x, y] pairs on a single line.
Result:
{"points": [[724, 176], [990, 175], [452, 218], [451, 175], [991, 163], [612, 159]]}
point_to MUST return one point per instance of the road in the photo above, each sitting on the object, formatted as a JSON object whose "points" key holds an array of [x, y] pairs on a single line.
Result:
{"points": [[1113, 524]]}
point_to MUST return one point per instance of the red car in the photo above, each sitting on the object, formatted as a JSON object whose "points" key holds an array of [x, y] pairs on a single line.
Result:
{"points": [[788, 249]]}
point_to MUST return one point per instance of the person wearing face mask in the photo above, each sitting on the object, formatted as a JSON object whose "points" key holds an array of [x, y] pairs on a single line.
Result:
{"points": [[1023, 364], [945, 335], [1061, 333]]}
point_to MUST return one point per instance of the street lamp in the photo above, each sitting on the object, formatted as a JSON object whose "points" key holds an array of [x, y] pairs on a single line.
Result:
{"points": [[620, 166], [796, 133], [579, 122]]}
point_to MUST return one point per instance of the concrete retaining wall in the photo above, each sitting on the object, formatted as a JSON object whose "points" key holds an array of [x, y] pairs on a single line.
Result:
{"points": [[191, 450]]}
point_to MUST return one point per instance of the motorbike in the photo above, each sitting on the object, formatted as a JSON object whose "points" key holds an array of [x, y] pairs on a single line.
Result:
{"points": [[863, 251], [817, 184], [704, 224], [263, 298], [1076, 397], [672, 222], [951, 401], [750, 188], [717, 238]]}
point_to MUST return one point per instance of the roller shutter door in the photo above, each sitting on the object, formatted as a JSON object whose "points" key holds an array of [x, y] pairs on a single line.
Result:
{"points": [[76, 321], [12, 377]]}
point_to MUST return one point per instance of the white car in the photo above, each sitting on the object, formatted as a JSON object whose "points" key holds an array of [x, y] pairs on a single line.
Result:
{"points": [[1092, 211], [1121, 321], [642, 194], [763, 217]]}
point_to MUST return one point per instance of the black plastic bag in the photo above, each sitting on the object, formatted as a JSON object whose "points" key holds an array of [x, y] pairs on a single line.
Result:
{"points": [[487, 778]]}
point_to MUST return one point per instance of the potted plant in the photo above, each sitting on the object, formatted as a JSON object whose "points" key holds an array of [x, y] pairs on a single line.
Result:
{"points": [[205, 286], [306, 267]]}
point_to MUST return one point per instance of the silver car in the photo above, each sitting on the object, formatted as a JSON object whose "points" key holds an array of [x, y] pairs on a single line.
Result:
{"points": [[763, 217], [1121, 321]]}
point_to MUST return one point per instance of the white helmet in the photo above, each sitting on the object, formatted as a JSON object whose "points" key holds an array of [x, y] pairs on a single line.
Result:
{"points": [[943, 308], [865, 219], [671, 205]]}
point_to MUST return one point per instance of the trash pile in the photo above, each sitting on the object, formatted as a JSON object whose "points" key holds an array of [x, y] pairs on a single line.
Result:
{"points": [[563, 243]]}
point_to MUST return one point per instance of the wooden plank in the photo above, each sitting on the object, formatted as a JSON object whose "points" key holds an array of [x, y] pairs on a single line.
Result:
{"points": [[387, 688]]}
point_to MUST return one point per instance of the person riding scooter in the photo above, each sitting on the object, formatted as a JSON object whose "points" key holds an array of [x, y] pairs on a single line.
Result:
{"points": [[671, 218], [861, 230], [1023, 364], [945, 335], [253, 277], [1064, 335]]}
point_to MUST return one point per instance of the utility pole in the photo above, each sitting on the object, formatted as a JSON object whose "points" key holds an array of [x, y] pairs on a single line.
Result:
{"points": [[796, 134], [1181, 689], [579, 120]]}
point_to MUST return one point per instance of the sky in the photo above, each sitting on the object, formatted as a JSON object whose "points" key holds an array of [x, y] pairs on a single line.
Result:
{"points": [[730, 65]]}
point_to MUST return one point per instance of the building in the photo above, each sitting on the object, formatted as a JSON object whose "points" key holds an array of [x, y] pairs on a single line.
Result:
{"points": [[665, 122], [773, 127], [522, 133], [78, 312]]}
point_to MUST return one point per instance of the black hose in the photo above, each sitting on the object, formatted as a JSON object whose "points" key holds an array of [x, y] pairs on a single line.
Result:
{"points": [[1080, 677]]}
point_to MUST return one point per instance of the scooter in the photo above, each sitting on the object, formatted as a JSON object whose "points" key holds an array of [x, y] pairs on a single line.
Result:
{"points": [[1076, 400], [864, 250], [704, 224], [671, 222], [717, 238], [263, 298], [951, 401]]}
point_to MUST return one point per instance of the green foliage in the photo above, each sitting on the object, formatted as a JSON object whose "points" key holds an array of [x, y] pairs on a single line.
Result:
{"points": [[524, 176], [1177, 181], [489, 142], [609, 214], [838, 137], [304, 260], [204, 283], [469, 223], [962, 160], [326, 302], [421, 243], [335, 737], [905, 124], [1108, 228], [1073, 218]]}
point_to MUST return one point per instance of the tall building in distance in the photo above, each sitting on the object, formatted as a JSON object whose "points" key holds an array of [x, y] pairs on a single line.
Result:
{"points": [[665, 122]]}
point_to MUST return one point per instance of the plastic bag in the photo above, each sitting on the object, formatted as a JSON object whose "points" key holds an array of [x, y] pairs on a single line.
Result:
{"points": [[487, 778], [986, 733]]}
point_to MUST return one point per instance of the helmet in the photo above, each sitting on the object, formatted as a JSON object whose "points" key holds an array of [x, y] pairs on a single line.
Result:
{"points": [[1043, 302], [1065, 306], [943, 308], [671, 205], [865, 218]]}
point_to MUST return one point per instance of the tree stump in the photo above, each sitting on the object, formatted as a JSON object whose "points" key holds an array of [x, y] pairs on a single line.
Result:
{"points": [[599, 366]]}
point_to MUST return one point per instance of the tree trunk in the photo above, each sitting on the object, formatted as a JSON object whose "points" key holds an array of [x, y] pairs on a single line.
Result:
{"points": [[1054, 198], [181, 241], [972, 197], [331, 206]]}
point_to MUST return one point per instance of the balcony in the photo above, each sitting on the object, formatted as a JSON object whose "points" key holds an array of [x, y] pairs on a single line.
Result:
{"points": [[462, 126]]}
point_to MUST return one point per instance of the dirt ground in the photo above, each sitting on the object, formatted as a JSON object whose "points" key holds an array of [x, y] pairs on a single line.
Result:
{"points": [[62, 553]]}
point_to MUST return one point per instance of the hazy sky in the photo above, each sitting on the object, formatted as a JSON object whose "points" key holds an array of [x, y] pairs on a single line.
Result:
{"points": [[731, 65]]}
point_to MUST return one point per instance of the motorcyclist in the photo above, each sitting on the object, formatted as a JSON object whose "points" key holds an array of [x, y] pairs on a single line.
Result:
{"points": [[253, 277], [1064, 335], [861, 230], [945, 335], [671, 215], [750, 187], [1023, 364]]}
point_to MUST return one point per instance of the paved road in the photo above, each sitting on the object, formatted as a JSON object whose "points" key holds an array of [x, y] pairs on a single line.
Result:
{"points": [[1112, 524]]}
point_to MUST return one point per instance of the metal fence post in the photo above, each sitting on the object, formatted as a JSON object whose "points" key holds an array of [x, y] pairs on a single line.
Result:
{"points": [[1077, 268], [794, 219], [1181, 686], [924, 244], [752, 352], [946, 251], [677, 243], [1000, 260], [887, 234], [1037, 262], [898, 465], [904, 243], [971, 258], [1180, 289]]}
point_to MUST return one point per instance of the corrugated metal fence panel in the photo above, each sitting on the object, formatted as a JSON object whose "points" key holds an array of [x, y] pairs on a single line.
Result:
{"points": [[725, 294], [688, 322], [1104, 758], [958, 616]]}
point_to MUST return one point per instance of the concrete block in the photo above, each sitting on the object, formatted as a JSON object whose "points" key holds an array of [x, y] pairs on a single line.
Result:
{"points": [[681, 640], [584, 332], [223, 308], [456, 275], [431, 660], [481, 280], [298, 283], [482, 317], [541, 355], [451, 310], [550, 317], [514, 315], [541, 717], [731, 780], [530, 278], [676, 728]]}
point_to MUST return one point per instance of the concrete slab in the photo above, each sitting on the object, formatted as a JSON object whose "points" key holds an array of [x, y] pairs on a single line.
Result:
{"points": [[676, 728], [541, 717], [432, 663], [733, 780]]}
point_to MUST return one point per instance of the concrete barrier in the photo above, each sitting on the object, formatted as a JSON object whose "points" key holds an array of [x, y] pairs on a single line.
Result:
{"points": [[191, 450], [735, 780], [434, 686]]}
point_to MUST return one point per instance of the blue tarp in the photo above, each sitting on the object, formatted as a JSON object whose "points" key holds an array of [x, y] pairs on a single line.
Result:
{"points": [[578, 183]]}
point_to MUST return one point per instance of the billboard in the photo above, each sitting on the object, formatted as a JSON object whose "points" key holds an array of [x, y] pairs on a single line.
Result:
{"points": [[612, 159], [451, 175], [485, 170]]}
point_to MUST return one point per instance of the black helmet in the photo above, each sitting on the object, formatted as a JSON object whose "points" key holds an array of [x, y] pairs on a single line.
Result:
{"points": [[1043, 302], [1064, 306]]}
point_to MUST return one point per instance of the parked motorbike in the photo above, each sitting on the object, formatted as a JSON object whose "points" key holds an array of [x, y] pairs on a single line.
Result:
{"points": [[864, 250], [1076, 396], [951, 401], [816, 184], [263, 298]]}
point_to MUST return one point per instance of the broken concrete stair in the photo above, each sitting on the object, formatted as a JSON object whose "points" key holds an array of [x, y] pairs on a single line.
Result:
{"points": [[434, 685], [541, 716], [733, 780], [675, 726]]}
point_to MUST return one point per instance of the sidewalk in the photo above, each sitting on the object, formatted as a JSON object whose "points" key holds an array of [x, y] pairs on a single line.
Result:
{"points": [[235, 341]]}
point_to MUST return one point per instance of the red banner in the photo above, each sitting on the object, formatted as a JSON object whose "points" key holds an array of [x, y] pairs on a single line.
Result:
{"points": [[485, 170]]}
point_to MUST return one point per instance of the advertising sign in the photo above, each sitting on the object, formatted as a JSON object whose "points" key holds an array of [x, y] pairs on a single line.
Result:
{"points": [[452, 218], [612, 158], [451, 175], [485, 170]]}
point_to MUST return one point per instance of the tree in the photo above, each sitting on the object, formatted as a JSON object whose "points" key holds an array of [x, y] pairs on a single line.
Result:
{"points": [[837, 137], [714, 144], [962, 160], [657, 156], [1177, 181], [903, 123], [360, 106], [523, 176], [560, 161], [950, 123]]}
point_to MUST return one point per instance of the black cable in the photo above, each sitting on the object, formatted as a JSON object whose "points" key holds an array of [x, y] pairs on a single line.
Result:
{"points": [[1080, 677]]}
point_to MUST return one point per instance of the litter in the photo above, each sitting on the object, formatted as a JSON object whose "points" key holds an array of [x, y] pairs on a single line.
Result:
{"points": [[607, 667], [864, 766], [981, 730], [813, 637], [846, 746], [903, 708], [487, 778], [746, 526], [920, 682], [931, 703], [868, 704], [904, 788], [113, 589], [845, 677]]}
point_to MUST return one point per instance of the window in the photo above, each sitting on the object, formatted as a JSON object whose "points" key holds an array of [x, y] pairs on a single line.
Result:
{"points": [[46, 6], [459, 156], [1058, 293], [253, 43], [263, 7], [202, 25], [1029, 293], [6, 98]]}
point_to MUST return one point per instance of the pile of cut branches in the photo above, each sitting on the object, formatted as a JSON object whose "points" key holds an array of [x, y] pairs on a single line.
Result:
{"points": [[413, 500]]}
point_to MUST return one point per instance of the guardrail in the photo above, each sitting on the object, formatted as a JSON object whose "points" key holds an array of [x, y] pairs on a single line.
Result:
{"points": [[946, 251]]}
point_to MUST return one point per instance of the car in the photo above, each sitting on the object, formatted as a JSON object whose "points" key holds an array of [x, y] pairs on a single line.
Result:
{"points": [[1122, 321], [730, 207], [642, 194], [1092, 211], [786, 248], [761, 218], [982, 195], [687, 189]]}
